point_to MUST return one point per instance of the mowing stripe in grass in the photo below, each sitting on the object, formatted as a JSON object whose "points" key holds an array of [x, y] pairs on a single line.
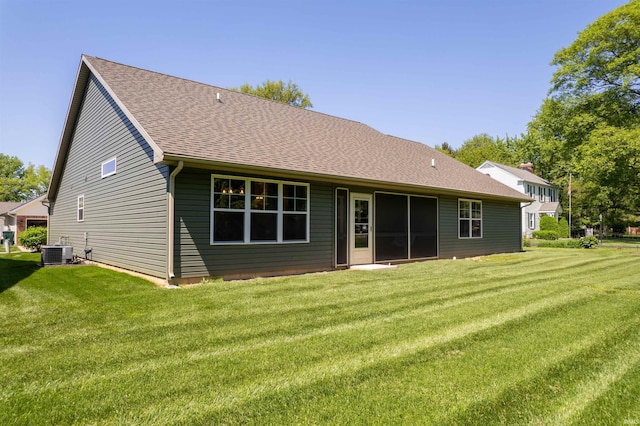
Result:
{"points": [[589, 390], [260, 343], [332, 368]]}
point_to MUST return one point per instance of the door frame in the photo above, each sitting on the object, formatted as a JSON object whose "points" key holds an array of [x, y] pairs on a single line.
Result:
{"points": [[360, 256]]}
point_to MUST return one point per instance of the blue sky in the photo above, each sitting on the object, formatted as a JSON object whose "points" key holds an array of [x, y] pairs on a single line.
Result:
{"points": [[429, 71]]}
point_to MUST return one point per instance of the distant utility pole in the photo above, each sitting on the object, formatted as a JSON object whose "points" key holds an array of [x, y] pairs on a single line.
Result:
{"points": [[569, 192]]}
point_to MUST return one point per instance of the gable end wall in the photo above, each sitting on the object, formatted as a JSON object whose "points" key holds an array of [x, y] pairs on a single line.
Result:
{"points": [[125, 213]]}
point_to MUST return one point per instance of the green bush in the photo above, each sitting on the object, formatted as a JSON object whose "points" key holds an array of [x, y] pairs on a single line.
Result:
{"points": [[588, 242], [563, 228], [33, 238], [545, 235], [573, 243], [553, 244], [526, 242], [548, 223]]}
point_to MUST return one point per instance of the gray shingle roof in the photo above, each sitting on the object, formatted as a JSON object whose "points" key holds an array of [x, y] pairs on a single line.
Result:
{"points": [[525, 175], [185, 121], [6, 206]]}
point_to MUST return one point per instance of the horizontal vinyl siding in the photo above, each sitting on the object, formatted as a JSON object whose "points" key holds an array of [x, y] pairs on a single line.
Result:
{"points": [[196, 257], [500, 229], [125, 213]]}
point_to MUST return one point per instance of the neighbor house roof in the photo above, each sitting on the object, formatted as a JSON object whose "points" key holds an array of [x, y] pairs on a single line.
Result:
{"points": [[26, 204], [525, 175], [185, 120], [7, 206]]}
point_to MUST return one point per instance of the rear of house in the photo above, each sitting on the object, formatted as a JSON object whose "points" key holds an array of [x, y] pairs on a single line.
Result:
{"points": [[183, 180]]}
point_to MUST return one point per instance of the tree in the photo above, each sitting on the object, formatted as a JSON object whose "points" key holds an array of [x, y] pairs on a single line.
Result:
{"points": [[483, 147], [445, 148], [605, 58], [288, 93], [11, 176], [18, 183], [588, 126]]}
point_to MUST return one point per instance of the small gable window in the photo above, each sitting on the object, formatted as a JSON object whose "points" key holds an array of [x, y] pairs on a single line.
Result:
{"points": [[109, 167]]}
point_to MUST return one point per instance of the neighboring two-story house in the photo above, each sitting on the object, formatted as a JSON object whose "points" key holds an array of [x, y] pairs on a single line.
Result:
{"points": [[524, 180]]}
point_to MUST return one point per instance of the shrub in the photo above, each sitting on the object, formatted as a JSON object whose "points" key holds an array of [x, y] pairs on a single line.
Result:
{"points": [[545, 235], [33, 238], [563, 228], [552, 244], [548, 223], [573, 243], [588, 242], [526, 242]]}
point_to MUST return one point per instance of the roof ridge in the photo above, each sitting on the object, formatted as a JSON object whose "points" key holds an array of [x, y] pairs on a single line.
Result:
{"points": [[238, 92]]}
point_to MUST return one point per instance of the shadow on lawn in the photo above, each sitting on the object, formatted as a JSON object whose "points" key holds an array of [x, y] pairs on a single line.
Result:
{"points": [[14, 268]]}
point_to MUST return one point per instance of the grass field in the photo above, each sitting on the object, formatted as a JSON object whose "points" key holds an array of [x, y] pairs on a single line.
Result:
{"points": [[549, 336]]}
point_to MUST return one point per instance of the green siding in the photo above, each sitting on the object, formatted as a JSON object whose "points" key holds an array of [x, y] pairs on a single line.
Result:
{"points": [[500, 229], [196, 257], [126, 213]]}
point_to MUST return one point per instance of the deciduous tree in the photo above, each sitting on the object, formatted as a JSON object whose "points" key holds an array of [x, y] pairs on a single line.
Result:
{"points": [[286, 93]]}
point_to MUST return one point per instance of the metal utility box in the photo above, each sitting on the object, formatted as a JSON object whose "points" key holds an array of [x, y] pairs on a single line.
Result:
{"points": [[56, 255]]}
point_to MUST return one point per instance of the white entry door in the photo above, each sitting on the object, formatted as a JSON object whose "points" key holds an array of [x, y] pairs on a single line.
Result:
{"points": [[361, 250]]}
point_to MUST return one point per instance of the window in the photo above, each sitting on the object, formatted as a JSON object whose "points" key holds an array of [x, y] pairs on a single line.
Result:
{"points": [[109, 167], [540, 194], [531, 218], [258, 211], [469, 219], [81, 208]]}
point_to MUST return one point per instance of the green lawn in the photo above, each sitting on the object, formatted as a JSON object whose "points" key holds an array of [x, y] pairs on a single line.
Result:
{"points": [[549, 336]]}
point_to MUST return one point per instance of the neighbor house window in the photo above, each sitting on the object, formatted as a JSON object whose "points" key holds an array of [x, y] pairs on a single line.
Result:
{"points": [[541, 194], [248, 211], [469, 219], [109, 167], [532, 220], [81, 208]]}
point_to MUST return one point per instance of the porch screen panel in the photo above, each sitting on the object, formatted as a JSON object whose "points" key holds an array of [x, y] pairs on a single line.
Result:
{"points": [[424, 227], [392, 227], [342, 226]]}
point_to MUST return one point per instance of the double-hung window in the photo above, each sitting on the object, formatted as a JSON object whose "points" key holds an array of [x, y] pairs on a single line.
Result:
{"points": [[469, 219], [246, 210], [532, 220]]}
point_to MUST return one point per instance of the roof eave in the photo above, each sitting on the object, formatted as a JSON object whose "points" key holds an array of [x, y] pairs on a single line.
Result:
{"points": [[173, 159]]}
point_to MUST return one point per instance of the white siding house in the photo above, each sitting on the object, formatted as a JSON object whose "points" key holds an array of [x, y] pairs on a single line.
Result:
{"points": [[524, 180]]}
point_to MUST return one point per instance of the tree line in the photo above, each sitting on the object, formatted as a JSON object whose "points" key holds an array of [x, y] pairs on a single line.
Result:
{"points": [[588, 127]]}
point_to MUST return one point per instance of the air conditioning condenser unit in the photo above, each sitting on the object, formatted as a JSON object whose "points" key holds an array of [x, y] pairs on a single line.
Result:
{"points": [[56, 255]]}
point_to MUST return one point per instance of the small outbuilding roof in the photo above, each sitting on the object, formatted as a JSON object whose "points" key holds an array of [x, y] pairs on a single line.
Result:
{"points": [[203, 124]]}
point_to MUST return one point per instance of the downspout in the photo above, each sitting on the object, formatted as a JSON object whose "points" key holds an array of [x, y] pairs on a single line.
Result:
{"points": [[522, 207], [171, 224]]}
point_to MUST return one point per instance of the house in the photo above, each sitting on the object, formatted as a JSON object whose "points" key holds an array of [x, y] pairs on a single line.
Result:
{"points": [[525, 181], [183, 180], [18, 216]]}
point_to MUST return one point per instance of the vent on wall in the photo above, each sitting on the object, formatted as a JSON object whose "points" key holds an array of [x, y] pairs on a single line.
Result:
{"points": [[56, 255]]}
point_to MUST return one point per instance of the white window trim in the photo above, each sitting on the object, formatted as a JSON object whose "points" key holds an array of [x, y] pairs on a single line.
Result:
{"points": [[247, 212], [80, 197], [470, 219], [531, 219], [115, 167]]}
